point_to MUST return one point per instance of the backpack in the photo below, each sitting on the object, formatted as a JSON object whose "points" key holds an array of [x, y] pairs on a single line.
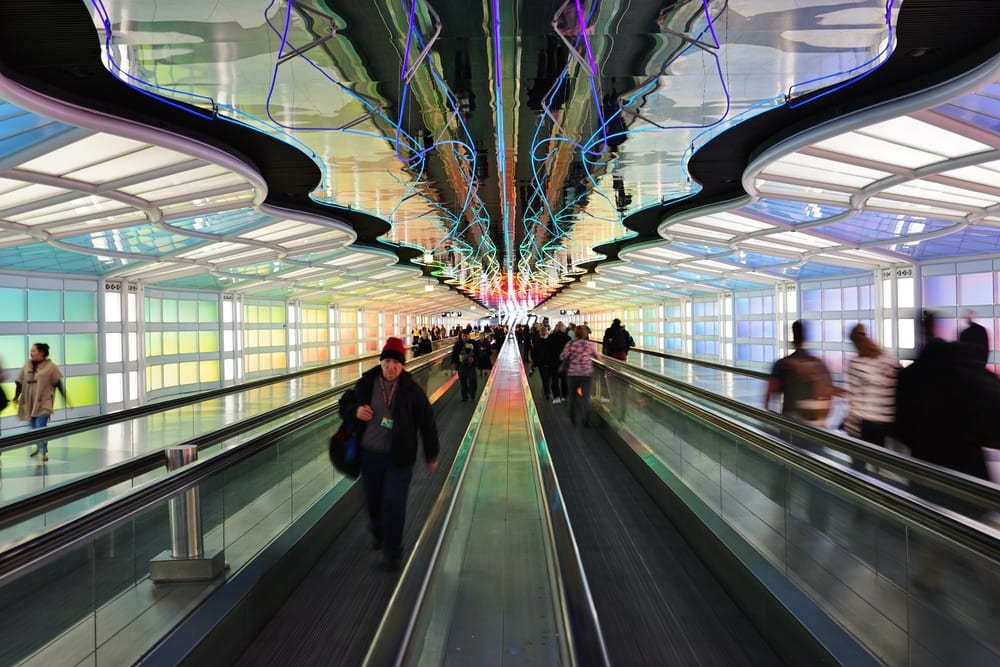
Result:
{"points": [[621, 341], [808, 389]]}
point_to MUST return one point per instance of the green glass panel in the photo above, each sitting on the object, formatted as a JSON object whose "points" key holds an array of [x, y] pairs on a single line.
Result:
{"points": [[81, 349], [81, 306], [13, 353], [208, 341], [188, 342], [81, 390], [169, 310], [208, 311], [187, 311], [13, 305], [45, 306], [154, 310]]}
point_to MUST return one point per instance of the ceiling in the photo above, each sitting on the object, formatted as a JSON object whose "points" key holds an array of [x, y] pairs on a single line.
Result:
{"points": [[419, 155]]}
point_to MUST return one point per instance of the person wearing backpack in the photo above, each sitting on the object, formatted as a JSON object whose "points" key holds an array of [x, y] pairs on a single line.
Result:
{"points": [[804, 382], [463, 360], [617, 341]]}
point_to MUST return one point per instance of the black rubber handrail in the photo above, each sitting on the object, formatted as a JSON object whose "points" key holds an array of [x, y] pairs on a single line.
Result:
{"points": [[52, 497], [98, 421], [915, 511], [956, 484], [760, 375]]}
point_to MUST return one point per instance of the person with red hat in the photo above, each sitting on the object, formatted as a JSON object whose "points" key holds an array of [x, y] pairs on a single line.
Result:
{"points": [[389, 409]]}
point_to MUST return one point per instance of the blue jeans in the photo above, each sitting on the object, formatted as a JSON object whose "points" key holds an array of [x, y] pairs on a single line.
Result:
{"points": [[39, 422], [386, 487]]}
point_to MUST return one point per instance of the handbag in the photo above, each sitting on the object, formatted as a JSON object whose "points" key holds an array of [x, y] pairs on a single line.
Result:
{"points": [[344, 454]]}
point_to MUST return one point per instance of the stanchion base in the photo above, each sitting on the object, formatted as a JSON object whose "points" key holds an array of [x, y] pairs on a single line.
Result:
{"points": [[165, 568]]}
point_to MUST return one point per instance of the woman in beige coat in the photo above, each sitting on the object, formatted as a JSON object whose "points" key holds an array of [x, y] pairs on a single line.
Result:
{"points": [[35, 391]]}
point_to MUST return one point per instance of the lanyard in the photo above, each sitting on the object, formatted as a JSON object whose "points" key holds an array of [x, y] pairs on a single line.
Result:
{"points": [[392, 392]]}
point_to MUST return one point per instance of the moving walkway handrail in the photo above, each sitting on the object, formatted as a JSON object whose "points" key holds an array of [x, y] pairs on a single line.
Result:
{"points": [[97, 421], [760, 375], [912, 510], [959, 485], [55, 496]]}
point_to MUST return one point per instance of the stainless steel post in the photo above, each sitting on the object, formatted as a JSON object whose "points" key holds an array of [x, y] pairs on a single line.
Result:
{"points": [[186, 540]]}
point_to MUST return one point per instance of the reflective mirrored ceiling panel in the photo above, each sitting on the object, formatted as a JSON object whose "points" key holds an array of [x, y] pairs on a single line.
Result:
{"points": [[503, 147]]}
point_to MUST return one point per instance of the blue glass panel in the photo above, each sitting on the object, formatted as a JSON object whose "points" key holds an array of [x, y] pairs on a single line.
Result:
{"points": [[742, 352], [229, 222], [138, 239], [756, 329], [939, 291], [875, 226], [696, 248], [812, 300], [850, 301], [47, 259], [972, 240], [742, 305], [20, 129], [794, 212], [742, 329], [812, 270]]}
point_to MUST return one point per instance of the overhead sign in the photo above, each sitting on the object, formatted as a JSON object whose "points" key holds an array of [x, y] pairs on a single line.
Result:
{"points": [[452, 313], [569, 312]]}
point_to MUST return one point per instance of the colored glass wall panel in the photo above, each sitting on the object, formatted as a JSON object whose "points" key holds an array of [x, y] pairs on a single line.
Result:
{"points": [[81, 390], [81, 306], [208, 311], [81, 349], [45, 306], [187, 311], [13, 301], [209, 370], [187, 342], [170, 310], [208, 341]]}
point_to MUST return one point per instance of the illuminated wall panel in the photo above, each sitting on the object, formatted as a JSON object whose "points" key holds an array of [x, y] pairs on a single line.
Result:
{"points": [[80, 306], [182, 336], [82, 390], [45, 306], [14, 305], [264, 327], [830, 309], [81, 349], [315, 334]]}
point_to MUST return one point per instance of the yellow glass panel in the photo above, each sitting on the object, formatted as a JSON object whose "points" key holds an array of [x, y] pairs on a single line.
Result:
{"points": [[154, 344], [154, 377], [169, 343], [277, 314], [208, 341], [171, 375], [253, 363], [209, 370], [82, 390], [189, 372], [188, 342], [278, 360], [277, 337]]}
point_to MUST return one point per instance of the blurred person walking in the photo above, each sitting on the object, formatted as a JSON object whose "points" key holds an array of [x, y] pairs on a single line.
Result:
{"points": [[804, 381], [617, 341], [35, 390], [579, 353], [463, 360], [871, 391], [390, 409], [555, 344]]}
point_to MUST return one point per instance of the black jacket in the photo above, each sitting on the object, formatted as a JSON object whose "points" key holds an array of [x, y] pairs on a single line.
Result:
{"points": [[411, 411]]}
